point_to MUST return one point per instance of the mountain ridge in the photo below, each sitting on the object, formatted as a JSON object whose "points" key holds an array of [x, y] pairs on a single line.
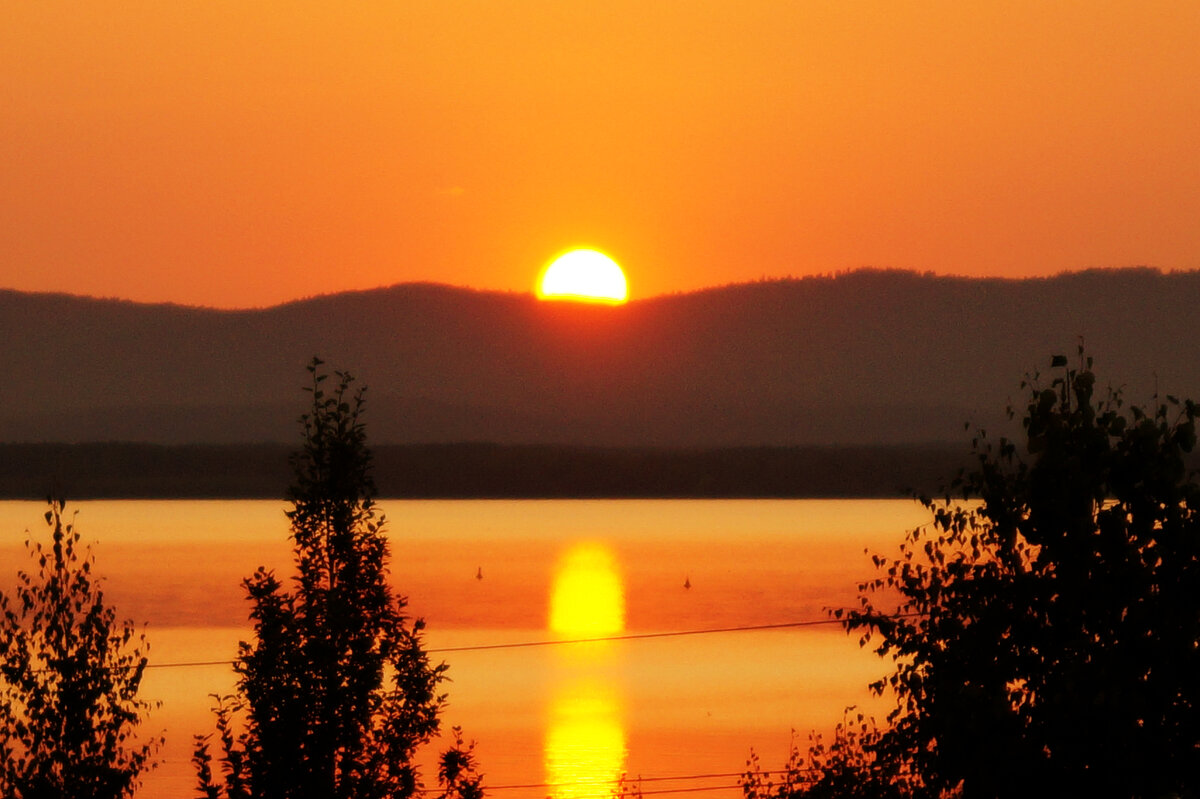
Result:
{"points": [[863, 357]]}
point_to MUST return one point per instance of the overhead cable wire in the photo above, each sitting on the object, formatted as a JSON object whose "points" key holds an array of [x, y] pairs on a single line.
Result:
{"points": [[636, 636], [565, 641], [633, 794], [628, 791], [629, 781], [614, 792]]}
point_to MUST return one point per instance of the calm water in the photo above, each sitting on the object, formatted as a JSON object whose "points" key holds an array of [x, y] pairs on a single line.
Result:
{"points": [[570, 716]]}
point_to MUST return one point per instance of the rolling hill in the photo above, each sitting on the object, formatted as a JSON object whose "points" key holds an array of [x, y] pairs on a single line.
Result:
{"points": [[866, 357]]}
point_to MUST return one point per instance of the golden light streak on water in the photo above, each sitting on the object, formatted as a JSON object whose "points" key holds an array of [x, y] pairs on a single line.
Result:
{"points": [[585, 740], [585, 736]]}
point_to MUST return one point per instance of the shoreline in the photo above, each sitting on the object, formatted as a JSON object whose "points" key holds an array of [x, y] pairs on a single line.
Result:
{"points": [[123, 470]]}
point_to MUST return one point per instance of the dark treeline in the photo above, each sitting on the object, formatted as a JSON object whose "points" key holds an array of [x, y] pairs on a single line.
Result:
{"points": [[459, 471]]}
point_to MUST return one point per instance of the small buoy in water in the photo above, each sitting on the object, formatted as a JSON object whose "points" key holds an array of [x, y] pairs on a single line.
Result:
{"points": [[687, 582], [479, 573]]}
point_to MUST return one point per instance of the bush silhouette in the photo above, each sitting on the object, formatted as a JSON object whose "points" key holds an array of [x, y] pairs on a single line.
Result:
{"points": [[845, 767], [1047, 635], [69, 678], [337, 691]]}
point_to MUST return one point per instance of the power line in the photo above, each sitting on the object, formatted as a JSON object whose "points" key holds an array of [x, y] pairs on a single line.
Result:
{"points": [[631, 787], [614, 792], [628, 781], [563, 641], [634, 793], [629, 790], [637, 636]]}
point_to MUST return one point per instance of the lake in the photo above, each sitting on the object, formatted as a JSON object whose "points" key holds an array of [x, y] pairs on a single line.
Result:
{"points": [[564, 719]]}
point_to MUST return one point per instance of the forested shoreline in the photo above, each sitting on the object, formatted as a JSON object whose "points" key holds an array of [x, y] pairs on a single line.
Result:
{"points": [[479, 470]]}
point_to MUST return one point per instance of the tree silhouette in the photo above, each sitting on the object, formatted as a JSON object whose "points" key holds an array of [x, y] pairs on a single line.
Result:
{"points": [[846, 767], [337, 691], [69, 680], [1047, 635]]}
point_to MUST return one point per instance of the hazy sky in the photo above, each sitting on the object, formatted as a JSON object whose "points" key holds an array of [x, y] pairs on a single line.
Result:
{"points": [[244, 153]]}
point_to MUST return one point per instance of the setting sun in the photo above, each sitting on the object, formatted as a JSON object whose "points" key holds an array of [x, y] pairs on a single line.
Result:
{"points": [[583, 275]]}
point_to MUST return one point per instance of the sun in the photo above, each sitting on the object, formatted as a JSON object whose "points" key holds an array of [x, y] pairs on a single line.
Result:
{"points": [[583, 275]]}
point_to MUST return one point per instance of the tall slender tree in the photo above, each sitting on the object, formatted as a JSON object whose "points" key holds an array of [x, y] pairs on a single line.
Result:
{"points": [[69, 679], [337, 689]]}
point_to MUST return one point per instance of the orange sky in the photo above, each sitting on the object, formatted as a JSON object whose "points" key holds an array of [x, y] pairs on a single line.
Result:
{"points": [[245, 153]]}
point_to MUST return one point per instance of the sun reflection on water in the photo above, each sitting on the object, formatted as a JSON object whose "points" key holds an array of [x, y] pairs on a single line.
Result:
{"points": [[588, 598], [585, 735], [585, 741]]}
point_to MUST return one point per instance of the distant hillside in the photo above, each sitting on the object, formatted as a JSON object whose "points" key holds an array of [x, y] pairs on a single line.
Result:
{"points": [[869, 357]]}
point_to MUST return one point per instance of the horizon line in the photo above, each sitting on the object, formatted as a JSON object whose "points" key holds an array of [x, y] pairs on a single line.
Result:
{"points": [[532, 295]]}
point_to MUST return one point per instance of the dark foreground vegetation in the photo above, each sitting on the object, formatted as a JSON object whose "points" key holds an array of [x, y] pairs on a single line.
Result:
{"points": [[69, 678], [1045, 642], [1044, 636], [465, 471], [335, 694]]}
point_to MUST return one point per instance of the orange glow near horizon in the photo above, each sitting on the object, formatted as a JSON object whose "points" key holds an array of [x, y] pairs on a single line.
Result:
{"points": [[583, 275], [246, 154]]}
